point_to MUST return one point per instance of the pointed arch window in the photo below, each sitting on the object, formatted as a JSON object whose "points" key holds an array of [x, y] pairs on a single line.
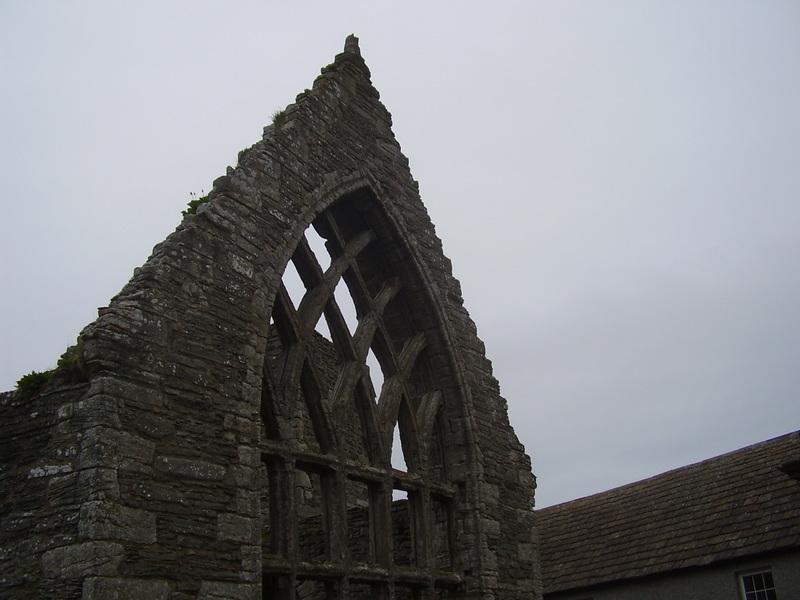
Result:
{"points": [[354, 365]]}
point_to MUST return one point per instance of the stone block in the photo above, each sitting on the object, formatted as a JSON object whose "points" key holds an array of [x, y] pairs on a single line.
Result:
{"points": [[244, 427], [192, 469], [237, 528], [49, 470], [107, 520], [98, 484], [106, 447], [219, 590], [154, 427], [251, 562], [490, 494], [99, 410], [248, 503], [249, 456], [160, 492], [245, 477], [107, 588], [82, 560]]}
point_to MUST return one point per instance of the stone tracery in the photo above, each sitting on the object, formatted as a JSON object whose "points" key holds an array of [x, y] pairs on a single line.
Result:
{"points": [[406, 547]]}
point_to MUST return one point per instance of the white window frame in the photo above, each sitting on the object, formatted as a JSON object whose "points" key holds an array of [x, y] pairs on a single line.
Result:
{"points": [[754, 595]]}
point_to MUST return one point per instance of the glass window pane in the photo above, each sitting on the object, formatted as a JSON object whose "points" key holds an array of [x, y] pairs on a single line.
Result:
{"points": [[768, 579]]}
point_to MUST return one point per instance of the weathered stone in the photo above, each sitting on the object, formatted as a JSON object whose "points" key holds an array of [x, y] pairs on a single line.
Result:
{"points": [[234, 428], [48, 470], [239, 529], [161, 492], [192, 469], [155, 427], [99, 520], [98, 484], [247, 503], [228, 591], [105, 447], [83, 560], [107, 588]]}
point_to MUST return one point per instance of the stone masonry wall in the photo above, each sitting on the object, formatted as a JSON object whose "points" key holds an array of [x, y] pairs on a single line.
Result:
{"points": [[142, 480]]}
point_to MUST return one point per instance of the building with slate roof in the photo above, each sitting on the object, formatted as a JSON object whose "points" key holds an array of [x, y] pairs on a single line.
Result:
{"points": [[725, 528]]}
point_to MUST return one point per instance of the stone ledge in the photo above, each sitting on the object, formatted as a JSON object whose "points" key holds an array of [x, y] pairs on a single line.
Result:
{"points": [[192, 469], [218, 590], [107, 588]]}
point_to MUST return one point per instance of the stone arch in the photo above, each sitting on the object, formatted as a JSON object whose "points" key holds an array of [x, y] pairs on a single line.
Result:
{"points": [[327, 381]]}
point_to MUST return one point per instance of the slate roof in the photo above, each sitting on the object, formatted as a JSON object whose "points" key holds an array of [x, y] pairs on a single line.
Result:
{"points": [[727, 507]]}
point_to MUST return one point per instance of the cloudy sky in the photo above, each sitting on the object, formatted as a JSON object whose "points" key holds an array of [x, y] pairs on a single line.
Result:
{"points": [[617, 184]]}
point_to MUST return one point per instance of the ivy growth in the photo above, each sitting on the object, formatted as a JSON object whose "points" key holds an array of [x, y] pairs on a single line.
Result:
{"points": [[69, 369], [71, 359], [33, 381]]}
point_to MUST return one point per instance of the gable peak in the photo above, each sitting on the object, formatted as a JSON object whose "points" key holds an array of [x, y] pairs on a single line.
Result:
{"points": [[351, 45]]}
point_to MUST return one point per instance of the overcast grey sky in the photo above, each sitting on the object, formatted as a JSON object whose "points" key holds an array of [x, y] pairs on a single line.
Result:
{"points": [[617, 184]]}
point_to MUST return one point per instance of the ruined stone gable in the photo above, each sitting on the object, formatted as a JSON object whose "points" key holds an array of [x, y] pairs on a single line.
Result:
{"points": [[223, 432]]}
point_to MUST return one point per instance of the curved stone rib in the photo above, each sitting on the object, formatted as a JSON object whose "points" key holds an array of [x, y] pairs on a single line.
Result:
{"points": [[355, 282], [394, 387], [392, 394], [315, 401], [284, 321], [409, 436], [369, 419], [270, 403], [360, 343], [340, 333], [362, 338], [299, 372], [285, 318], [411, 349], [322, 285], [276, 402], [425, 419], [353, 382], [300, 324]]}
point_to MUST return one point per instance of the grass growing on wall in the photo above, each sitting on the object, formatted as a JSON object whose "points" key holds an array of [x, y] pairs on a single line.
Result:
{"points": [[194, 203]]}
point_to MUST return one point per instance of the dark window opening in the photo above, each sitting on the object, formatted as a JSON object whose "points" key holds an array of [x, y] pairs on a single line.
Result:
{"points": [[359, 522], [402, 529]]}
